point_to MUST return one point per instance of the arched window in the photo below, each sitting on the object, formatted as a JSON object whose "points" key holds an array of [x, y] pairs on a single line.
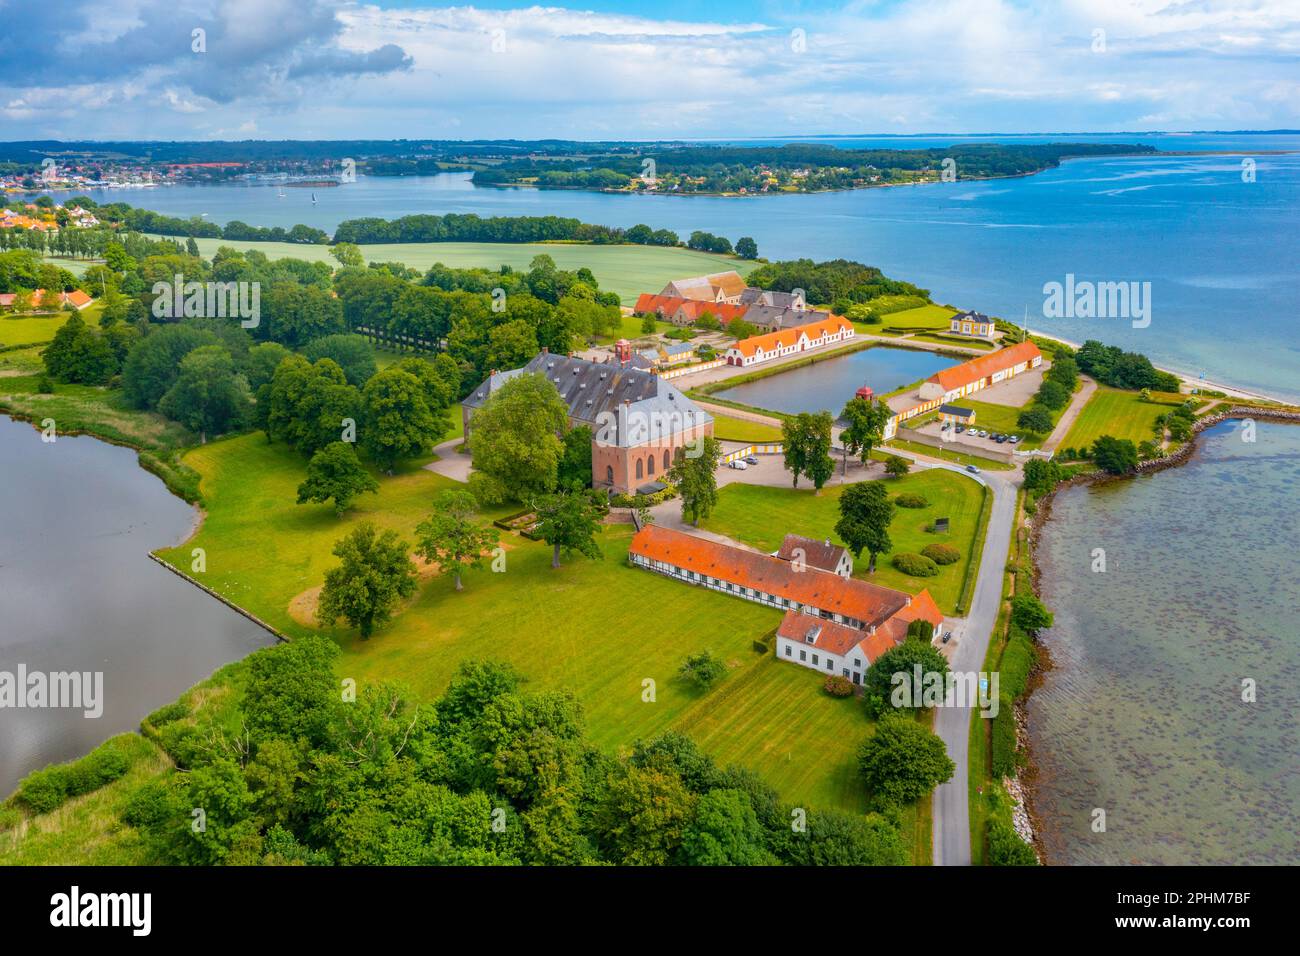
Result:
{"points": [[609, 474], [639, 470], [650, 463], [666, 464]]}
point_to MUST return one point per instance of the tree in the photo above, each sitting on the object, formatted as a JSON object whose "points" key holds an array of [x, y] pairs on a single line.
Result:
{"points": [[807, 442], [725, 831], [1036, 419], [348, 254], [207, 396], [375, 572], [450, 538], [1052, 394], [353, 353], [648, 325], [866, 427], [903, 659], [1006, 848], [642, 817], [746, 248], [740, 330], [902, 761], [1030, 614], [1041, 475], [1118, 456], [832, 838], [897, 466], [336, 472], [155, 360], [696, 479], [568, 522], [397, 420], [574, 472], [703, 669], [865, 514], [79, 354], [514, 438]]}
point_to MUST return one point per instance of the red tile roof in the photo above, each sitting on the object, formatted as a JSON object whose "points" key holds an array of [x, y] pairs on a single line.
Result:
{"points": [[978, 368], [869, 603], [831, 637], [724, 312], [657, 303]]}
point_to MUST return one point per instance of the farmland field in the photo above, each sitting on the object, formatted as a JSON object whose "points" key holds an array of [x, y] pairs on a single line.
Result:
{"points": [[628, 270]]}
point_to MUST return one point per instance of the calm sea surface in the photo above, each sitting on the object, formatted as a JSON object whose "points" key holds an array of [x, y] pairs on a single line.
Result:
{"points": [[78, 518], [1143, 713], [1222, 255]]}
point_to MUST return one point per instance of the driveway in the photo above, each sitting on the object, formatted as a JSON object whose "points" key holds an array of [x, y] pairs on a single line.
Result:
{"points": [[1071, 414]]}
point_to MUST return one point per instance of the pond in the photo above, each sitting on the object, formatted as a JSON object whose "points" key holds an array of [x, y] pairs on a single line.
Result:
{"points": [[827, 385], [78, 593]]}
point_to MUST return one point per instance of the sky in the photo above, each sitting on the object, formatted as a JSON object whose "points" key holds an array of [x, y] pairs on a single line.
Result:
{"points": [[658, 69]]}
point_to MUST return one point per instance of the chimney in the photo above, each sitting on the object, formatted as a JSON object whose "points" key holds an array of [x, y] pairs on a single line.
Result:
{"points": [[546, 350]]}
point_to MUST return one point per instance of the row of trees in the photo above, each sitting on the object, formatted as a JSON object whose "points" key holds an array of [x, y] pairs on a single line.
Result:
{"points": [[1053, 394], [839, 283]]}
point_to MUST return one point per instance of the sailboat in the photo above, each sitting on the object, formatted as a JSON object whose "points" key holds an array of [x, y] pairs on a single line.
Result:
{"points": [[313, 199]]}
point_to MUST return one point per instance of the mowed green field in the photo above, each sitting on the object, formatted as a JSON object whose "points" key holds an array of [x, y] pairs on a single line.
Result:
{"points": [[598, 628], [727, 428], [761, 516], [926, 316], [39, 329], [628, 270], [1121, 414]]}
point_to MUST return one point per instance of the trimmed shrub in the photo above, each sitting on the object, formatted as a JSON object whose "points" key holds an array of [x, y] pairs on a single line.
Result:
{"points": [[941, 553], [915, 565], [921, 630], [1006, 848], [44, 790], [1004, 739], [911, 501], [148, 804], [838, 686]]}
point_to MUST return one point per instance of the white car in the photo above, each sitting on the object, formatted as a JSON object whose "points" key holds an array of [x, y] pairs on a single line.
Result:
{"points": [[738, 464]]}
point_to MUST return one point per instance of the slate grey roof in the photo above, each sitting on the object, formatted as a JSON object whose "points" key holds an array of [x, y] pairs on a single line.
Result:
{"points": [[777, 318], [973, 316], [956, 410], [780, 300], [623, 405]]}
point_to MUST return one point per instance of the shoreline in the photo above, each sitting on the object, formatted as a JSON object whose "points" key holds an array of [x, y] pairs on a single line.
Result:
{"points": [[1231, 391], [1027, 775]]}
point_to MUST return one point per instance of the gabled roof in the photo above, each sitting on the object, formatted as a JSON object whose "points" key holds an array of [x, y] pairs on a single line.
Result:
{"points": [[851, 598], [646, 302], [782, 317], [724, 312], [771, 341], [971, 316], [730, 283], [826, 635], [956, 410], [985, 365], [816, 554]]}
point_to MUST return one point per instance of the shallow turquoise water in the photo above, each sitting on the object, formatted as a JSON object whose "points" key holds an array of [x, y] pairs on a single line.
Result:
{"points": [[1142, 714]]}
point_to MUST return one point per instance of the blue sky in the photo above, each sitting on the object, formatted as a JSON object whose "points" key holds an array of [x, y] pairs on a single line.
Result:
{"points": [[335, 69]]}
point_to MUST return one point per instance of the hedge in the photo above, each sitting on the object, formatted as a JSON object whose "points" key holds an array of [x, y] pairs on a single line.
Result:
{"points": [[1004, 739], [47, 789], [915, 565], [941, 553], [911, 501]]}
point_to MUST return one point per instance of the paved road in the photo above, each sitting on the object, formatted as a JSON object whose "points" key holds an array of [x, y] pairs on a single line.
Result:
{"points": [[951, 807]]}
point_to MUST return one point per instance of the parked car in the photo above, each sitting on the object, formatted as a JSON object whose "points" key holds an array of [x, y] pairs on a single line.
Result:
{"points": [[959, 429], [1002, 439], [738, 464], [945, 426], [751, 459], [1013, 439], [972, 469], [947, 636]]}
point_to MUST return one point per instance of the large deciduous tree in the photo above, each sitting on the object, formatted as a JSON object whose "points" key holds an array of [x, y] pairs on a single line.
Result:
{"points": [[695, 475], [865, 429], [207, 396], [569, 521], [336, 473], [807, 441], [397, 420], [374, 573], [902, 761], [451, 538], [515, 440], [865, 514]]}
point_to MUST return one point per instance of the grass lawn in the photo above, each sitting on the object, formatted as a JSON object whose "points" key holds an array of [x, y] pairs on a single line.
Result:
{"points": [[39, 329], [1123, 414], [628, 270], [924, 317], [726, 428], [953, 340], [630, 328], [598, 628], [761, 516]]}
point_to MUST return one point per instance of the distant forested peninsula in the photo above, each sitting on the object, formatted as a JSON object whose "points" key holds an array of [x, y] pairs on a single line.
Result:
{"points": [[796, 167]]}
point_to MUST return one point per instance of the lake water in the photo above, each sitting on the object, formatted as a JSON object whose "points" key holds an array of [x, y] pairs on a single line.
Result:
{"points": [[1142, 714], [828, 385], [1222, 255], [78, 518]]}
